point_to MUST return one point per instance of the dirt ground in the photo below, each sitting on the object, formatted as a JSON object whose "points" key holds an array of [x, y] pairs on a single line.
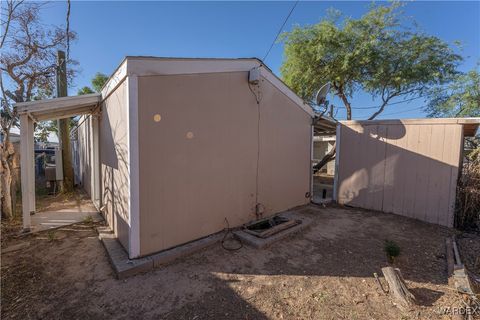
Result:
{"points": [[44, 202], [325, 272]]}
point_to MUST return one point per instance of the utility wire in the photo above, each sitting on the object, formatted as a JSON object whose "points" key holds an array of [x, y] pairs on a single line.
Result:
{"points": [[280, 30], [388, 104], [68, 30], [403, 111]]}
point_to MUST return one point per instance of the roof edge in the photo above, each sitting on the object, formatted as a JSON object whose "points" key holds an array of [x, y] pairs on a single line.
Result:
{"points": [[471, 120], [135, 67], [24, 106]]}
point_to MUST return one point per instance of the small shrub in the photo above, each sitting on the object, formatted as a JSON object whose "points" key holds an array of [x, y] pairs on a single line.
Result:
{"points": [[88, 219], [467, 209], [392, 250], [51, 235]]}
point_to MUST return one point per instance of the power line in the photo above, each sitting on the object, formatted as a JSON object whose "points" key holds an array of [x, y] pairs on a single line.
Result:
{"points": [[68, 29], [403, 111], [398, 112], [280, 30], [388, 104]]}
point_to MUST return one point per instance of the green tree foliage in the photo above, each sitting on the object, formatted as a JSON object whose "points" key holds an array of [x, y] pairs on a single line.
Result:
{"points": [[461, 98], [98, 82], [85, 90], [377, 53]]}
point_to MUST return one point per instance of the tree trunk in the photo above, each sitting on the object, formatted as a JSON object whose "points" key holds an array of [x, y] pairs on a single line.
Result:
{"points": [[63, 126], [64, 129], [398, 288], [326, 159], [347, 105], [6, 178], [382, 107], [331, 154]]}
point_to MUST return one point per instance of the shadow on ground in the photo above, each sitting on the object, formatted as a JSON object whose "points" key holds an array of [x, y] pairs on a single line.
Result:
{"points": [[323, 272]]}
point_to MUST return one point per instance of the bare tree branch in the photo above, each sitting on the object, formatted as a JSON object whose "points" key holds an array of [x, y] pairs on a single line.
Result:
{"points": [[11, 8]]}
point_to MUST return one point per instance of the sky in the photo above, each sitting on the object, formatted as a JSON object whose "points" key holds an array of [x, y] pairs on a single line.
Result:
{"points": [[108, 31]]}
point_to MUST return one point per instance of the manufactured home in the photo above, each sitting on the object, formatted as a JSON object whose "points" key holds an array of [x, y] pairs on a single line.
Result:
{"points": [[174, 150]]}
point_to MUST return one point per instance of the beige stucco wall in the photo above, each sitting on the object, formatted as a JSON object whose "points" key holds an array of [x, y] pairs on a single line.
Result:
{"points": [[198, 164], [408, 168], [114, 163]]}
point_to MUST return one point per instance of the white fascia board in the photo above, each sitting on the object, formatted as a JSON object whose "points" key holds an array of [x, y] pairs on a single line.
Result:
{"points": [[115, 79], [166, 66], [134, 177]]}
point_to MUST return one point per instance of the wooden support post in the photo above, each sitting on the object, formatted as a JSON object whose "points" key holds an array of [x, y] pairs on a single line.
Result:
{"points": [[63, 125], [27, 167], [450, 258]]}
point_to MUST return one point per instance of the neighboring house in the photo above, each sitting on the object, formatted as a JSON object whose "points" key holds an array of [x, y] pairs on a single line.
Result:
{"points": [[14, 137], [321, 146], [178, 149], [15, 141]]}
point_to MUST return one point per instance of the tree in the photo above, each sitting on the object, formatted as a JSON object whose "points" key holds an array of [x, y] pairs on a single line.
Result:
{"points": [[461, 98], [376, 54], [98, 81], [27, 65], [85, 90]]}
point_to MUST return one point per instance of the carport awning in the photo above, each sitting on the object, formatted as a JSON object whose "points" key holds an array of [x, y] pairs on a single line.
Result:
{"points": [[59, 108], [324, 125]]}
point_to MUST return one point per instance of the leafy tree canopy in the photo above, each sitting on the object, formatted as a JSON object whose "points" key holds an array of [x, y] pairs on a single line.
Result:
{"points": [[85, 90], [97, 83], [461, 98], [376, 53]]}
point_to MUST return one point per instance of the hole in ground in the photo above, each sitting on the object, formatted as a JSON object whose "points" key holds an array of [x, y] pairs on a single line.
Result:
{"points": [[268, 227]]}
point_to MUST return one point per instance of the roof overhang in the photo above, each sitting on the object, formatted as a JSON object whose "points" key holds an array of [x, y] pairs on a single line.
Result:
{"points": [[470, 125], [324, 126], [59, 108]]}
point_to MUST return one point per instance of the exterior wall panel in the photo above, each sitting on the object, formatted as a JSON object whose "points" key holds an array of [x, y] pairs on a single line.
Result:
{"points": [[84, 164], [114, 163], [285, 164], [407, 168], [198, 159]]}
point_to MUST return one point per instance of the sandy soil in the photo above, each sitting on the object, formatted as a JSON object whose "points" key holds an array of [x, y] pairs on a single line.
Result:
{"points": [[326, 272], [76, 199]]}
